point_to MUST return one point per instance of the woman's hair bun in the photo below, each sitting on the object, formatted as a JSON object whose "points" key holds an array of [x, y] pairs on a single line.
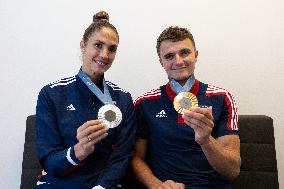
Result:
{"points": [[101, 16]]}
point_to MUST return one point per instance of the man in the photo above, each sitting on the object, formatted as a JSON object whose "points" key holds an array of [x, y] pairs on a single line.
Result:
{"points": [[198, 147]]}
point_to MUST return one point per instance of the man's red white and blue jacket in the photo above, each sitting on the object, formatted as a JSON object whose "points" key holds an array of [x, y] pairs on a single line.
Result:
{"points": [[173, 153]]}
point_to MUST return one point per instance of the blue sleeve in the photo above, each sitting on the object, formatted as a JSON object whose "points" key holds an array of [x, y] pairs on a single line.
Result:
{"points": [[123, 151], [228, 121], [142, 126], [54, 155]]}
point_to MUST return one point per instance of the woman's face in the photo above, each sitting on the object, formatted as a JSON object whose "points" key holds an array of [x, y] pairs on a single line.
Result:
{"points": [[99, 51]]}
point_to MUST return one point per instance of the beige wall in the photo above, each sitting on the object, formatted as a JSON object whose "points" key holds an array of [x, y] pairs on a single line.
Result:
{"points": [[240, 48]]}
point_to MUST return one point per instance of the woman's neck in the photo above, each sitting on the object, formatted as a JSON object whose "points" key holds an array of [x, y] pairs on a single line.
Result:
{"points": [[95, 77]]}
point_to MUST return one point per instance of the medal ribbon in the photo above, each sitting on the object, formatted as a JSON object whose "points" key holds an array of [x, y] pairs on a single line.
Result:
{"points": [[103, 97], [177, 88]]}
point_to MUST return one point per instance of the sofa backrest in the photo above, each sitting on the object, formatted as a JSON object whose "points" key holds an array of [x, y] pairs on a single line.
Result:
{"points": [[258, 169], [259, 165], [30, 166]]}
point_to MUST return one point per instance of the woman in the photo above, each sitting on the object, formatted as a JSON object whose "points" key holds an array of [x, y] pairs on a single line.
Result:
{"points": [[84, 124]]}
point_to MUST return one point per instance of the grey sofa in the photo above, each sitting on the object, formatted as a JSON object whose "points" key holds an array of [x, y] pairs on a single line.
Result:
{"points": [[258, 170]]}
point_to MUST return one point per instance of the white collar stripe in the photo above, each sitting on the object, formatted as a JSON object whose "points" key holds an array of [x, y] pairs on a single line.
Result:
{"points": [[63, 80], [148, 95], [152, 93], [115, 87], [62, 84]]}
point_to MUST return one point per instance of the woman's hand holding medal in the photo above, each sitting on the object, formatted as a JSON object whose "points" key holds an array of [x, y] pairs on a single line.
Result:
{"points": [[201, 121], [88, 135]]}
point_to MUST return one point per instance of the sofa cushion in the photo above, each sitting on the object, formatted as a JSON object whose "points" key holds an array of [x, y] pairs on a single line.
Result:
{"points": [[259, 165]]}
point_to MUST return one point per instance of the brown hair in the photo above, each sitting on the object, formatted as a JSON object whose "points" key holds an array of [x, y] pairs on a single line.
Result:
{"points": [[174, 34], [100, 20]]}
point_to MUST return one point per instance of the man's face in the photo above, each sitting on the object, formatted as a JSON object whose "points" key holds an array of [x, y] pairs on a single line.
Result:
{"points": [[178, 59]]}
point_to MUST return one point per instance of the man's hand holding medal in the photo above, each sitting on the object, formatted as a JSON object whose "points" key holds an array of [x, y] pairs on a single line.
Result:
{"points": [[200, 119]]}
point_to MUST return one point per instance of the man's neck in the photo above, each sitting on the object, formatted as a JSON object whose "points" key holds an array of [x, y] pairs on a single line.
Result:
{"points": [[182, 82], [182, 86]]}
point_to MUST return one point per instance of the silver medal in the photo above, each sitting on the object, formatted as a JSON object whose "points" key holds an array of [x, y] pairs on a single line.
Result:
{"points": [[110, 115]]}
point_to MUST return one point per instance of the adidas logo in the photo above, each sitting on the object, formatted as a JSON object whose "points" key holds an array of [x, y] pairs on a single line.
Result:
{"points": [[161, 114], [70, 107]]}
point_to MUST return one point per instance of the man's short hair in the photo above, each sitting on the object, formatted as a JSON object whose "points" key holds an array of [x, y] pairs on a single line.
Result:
{"points": [[174, 34]]}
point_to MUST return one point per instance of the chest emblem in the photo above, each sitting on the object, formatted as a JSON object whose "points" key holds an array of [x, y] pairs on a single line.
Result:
{"points": [[70, 107], [161, 114]]}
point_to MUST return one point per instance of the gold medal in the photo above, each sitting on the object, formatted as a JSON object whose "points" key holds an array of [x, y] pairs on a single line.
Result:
{"points": [[110, 115], [184, 101]]}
